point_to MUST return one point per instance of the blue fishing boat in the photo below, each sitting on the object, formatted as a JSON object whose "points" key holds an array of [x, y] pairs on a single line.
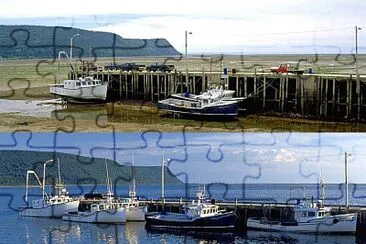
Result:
{"points": [[200, 215]]}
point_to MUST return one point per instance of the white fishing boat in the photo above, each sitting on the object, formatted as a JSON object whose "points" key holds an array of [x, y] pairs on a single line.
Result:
{"points": [[200, 215], [205, 107], [81, 90], [309, 217], [134, 212], [101, 210], [48, 206]]}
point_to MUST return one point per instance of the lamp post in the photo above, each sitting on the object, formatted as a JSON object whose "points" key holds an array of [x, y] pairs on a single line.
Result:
{"points": [[186, 56], [71, 45], [358, 86]]}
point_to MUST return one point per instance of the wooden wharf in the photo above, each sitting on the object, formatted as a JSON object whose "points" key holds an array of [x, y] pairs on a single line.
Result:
{"points": [[324, 96]]}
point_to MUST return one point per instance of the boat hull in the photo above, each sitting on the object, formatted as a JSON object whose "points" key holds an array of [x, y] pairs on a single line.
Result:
{"points": [[344, 223], [81, 94], [112, 216], [136, 213], [222, 222], [229, 109], [50, 211]]}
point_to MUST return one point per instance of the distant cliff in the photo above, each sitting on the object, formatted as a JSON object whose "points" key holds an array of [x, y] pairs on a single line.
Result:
{"points": [[74, 170], [23, 41]]}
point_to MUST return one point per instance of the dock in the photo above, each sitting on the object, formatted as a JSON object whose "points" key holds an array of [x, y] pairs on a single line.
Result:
{"points": [[322, 96], [244, 210]]}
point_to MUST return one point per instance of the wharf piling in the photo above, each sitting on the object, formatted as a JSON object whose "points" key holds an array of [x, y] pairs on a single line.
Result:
{"points": [[336, 96]]}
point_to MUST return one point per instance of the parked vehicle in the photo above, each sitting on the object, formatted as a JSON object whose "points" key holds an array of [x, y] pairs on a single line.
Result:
{"points": [[160, 67], [125, 67], [287, 68], [131, 67]]}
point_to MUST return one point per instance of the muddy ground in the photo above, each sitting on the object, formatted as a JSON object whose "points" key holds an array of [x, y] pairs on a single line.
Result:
{"points": [[24, 80]]}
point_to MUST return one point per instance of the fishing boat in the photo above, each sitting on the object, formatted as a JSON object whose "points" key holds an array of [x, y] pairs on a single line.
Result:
{"points": [[82, 90], [99, 210], [134, 212], [48, 206], [204, 107], [220, 93], [199, 215], [309, 217]]}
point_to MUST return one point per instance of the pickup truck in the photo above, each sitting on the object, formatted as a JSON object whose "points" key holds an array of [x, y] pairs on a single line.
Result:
{"points": [[287, 68], [160, 67], [131, 66], [125, 67]]}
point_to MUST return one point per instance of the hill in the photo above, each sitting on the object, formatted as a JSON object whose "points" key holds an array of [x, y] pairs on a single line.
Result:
{"points": [[24, 41], [74, 170]]}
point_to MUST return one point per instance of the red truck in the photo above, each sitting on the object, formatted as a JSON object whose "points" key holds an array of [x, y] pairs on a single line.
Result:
{"points": [[287, 68]]}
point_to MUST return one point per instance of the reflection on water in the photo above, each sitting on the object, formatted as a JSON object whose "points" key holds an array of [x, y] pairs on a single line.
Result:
{"points": [[283, 237]]}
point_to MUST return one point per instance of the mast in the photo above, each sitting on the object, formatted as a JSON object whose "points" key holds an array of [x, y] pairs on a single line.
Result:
{"points": [[58, 184], [346, 155], [109, 190], [26, 187], [44, 179], [321, 183], [133, 187], [162, 178]]}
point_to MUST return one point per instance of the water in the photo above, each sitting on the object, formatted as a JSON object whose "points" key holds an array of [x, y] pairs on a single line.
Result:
{"points": [[15, 229]]}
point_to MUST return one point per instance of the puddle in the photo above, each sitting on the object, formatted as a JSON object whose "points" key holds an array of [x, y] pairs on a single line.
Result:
{"points": [[36, 108]]}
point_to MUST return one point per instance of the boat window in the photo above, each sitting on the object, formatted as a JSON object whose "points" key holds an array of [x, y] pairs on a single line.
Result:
{"points": [[204, 211], [78, 83], [311, 214], [304, 214], [89, 83], [84, 83]]}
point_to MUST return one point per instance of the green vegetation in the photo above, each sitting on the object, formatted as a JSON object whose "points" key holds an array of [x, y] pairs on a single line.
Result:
{"points": [[24, 41], [74, 170]]}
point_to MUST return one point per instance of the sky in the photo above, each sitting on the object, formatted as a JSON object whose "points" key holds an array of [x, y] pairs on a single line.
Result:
{"points": [[216, 157], [232, 26]]}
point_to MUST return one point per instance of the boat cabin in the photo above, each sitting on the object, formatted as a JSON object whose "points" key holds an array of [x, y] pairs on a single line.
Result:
{"points": [[81, 82], [307, 211]]}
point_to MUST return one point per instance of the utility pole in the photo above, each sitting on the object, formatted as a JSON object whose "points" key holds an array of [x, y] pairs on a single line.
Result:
{"points": [[186, 57]]}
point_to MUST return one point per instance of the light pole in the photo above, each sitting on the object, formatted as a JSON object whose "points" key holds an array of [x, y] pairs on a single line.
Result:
{"points": [[186, 56], [358, 86], [71, 45]]}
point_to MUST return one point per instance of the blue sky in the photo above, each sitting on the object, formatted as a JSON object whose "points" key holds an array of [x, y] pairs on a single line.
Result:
{"points": [[217, 157], [262, 26]]}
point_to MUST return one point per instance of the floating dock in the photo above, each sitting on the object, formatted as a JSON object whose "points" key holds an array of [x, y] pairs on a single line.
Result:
{"points": [[324, 96]]}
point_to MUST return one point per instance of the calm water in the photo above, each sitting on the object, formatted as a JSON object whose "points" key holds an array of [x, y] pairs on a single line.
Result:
{"points": [[15, 229]]}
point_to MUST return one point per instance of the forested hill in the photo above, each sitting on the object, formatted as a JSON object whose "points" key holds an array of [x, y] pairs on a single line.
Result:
{"points": [[23, 41], [74, 170]]}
